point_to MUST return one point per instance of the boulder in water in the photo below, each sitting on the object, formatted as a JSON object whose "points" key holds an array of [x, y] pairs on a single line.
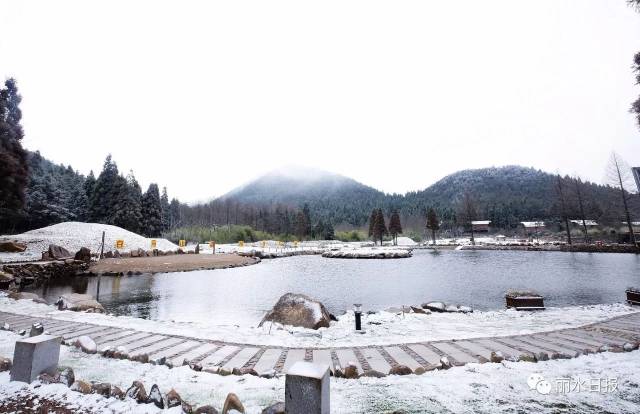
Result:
{"points": [[79, 302], [299, 310]]}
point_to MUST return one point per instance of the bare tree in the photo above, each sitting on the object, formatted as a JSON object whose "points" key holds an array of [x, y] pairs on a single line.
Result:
{"points": [[563, 206], [467, 213], [577, 186], [619, 175]]}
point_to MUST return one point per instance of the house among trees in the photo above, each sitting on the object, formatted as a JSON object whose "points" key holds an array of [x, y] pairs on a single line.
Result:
{"points": [[587, 223], [532, 228], [480, 226]]}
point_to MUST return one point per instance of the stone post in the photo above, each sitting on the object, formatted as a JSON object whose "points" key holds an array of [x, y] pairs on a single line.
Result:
{"points": [[34, 356], [307, 389]]}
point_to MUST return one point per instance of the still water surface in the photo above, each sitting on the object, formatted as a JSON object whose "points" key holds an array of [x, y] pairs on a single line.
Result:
{"points": [[474, 278]]}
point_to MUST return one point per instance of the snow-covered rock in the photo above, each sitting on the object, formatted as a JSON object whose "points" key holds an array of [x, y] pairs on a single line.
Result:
{"points": [[434, 306], [87, 344], [79, 302], [299, 310]]}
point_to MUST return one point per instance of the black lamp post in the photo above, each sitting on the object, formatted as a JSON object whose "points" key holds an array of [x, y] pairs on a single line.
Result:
{"points": [[357, 309]]}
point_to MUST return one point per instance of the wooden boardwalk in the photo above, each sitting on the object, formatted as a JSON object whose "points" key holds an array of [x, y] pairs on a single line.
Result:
{"points": [[225, 358]]}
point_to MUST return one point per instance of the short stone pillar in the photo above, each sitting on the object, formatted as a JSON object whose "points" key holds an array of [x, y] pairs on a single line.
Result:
{"points": [[34, 356], [306, 389]]}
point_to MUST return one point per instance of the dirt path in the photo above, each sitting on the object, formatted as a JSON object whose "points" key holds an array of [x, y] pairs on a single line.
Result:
{"points": [[174, 263]]}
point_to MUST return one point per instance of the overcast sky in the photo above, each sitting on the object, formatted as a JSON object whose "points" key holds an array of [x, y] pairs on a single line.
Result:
{"points": [[203, 96]]}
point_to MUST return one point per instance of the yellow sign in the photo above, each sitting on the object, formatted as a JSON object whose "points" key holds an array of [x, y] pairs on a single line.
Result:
{"points": [[241, 243], [212, 244], [295, 243], [182, 243], [263, 244], [119, 244], [280, 243], [154, 244]]}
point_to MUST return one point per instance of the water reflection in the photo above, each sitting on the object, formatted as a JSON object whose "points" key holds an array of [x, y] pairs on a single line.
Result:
{"points": [[475, 278]]}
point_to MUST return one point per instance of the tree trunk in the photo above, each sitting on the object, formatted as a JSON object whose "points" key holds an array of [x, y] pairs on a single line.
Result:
{"points": [[433, 236], [473, 239], [632, 236], [566, 223]]}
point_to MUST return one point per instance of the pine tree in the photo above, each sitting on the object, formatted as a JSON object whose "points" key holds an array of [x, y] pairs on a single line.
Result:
{"points": [[174, 213], [164, 204], [301, 225], [329, 233], [128, 206], [151, 212], [105, 193], [379, 227], [14, 173], [433, 224], [372, 222], [307, 220], [89, 185], [395, 227], [318, 230]]}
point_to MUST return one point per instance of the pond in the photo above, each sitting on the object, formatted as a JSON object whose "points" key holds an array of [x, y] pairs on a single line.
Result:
{"points": [[475, 278]]}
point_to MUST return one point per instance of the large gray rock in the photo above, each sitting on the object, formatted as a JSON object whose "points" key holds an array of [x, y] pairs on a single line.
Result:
{"points": [[5, 364], [34, 356], [299, 310], [26, 295], [84, 254], [12, 247], [232, 402], [79, 302], [6, 280], [58, 252]]}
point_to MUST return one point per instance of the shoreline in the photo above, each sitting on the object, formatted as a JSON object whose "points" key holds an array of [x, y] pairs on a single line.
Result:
{"points": [[168, 264]]}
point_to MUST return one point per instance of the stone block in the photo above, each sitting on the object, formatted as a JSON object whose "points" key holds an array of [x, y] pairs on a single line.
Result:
{"points": [[34, 356], [307, 389]]}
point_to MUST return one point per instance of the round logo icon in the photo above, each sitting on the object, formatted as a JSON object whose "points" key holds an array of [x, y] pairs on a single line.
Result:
{"points": [[533, 380], [544, 387]]}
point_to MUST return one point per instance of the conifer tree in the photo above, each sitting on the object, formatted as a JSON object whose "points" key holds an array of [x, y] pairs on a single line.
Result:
{"points": [[14, 173], [301, 225], [379, 227], [395, 227], [105, 193], [372, 222], [164, 203], [433, 224], [307, 220], [89, 185], [151, 212], [128, 206], [329, 233]]}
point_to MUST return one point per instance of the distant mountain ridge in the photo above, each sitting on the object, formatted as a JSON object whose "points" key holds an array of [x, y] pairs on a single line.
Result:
{"points": [[505, 195]]}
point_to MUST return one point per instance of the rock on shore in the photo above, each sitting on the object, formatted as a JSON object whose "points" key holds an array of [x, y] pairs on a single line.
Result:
{"points": [[299, 310], [368, 253]]}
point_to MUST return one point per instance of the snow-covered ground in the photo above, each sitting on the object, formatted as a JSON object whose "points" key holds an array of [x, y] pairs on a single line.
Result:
{"points": [[381, 328], [74, 235], [474, 388]]}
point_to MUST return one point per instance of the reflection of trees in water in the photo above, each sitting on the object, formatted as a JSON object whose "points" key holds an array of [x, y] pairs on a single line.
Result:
{"points": [[139, 304]]}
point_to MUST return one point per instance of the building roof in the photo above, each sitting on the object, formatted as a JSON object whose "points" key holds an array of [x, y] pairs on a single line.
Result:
{"points": [[532, 224], [481, 222], [586, 222]]}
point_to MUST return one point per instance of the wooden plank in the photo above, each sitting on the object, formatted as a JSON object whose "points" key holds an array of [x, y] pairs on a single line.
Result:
{"points": [[555, 346], [454, 353], [586, 341], [267, 361], [402, 357], [112, 337], [522, 346], [156, 346], [376, 360], [240, 358], [134, 346], [125, 340], [86, 332], [64, 329], [174, 350], [323, 356], [605, 338], [191, 355], [219, 355], [475, 349], [293, 356], [426, 353], [578, 346], [508, 352]]}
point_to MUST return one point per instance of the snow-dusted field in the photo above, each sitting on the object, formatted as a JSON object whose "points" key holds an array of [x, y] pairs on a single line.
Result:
{"points": [[474, 388], [74, 235], [381, 328]]}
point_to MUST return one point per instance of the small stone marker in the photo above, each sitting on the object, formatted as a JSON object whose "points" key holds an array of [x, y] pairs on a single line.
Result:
{"points": [[34, 356], [306, 389]]}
